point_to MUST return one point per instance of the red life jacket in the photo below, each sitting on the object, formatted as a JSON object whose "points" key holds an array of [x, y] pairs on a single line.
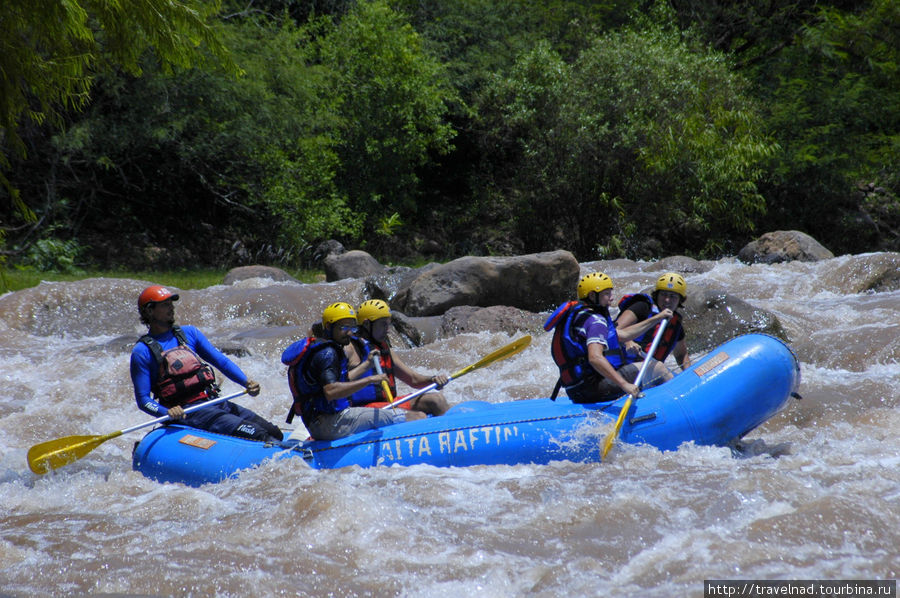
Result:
{"points": [[183, 377], [670, 336], [373, 393]]}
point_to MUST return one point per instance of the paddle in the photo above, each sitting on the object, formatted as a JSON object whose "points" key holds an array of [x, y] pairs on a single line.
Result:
{"points": [[385, 387], [62, 451], [501, 353], [611, 438]]}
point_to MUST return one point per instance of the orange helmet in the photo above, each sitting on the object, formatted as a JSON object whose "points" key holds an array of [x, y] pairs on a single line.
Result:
{"points": [[155, 294]]}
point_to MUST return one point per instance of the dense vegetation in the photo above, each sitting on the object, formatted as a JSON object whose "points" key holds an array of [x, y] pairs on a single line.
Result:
{"points": [[248, 132]]}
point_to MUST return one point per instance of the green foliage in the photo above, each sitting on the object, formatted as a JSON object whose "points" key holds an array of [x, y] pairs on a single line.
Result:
{"points": [[391, 100], [50, 52], [47, 49], [640, 136], [836, 112], [389, 225], [53, 255], [488, 127]]}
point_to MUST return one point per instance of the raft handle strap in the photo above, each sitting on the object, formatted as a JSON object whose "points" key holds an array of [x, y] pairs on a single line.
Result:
{"points": [[643, 418]]}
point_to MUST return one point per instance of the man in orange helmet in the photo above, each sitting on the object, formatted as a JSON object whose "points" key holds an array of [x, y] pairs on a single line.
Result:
{"points": [[169, 371]]}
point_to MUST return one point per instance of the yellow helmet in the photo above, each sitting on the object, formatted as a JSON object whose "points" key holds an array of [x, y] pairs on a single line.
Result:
{"points": [[674, 282], [373, 309], [594, 282], [337, 311]]}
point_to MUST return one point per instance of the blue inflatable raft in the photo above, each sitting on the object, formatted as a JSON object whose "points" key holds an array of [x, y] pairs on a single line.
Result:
{"points": [[719, 399]]}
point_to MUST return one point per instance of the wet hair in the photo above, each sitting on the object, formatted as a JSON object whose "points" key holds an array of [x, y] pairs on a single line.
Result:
{"points": [[317, 330]]}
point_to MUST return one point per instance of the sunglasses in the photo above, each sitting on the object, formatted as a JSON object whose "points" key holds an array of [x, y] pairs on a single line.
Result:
{"points": [[349, 328]]}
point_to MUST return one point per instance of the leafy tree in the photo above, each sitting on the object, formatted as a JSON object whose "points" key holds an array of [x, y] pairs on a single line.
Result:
{"points": [[242, 157], [641, 137], [835, 107], [51, 51], [752, 31], [391, 99], [325, 130]]}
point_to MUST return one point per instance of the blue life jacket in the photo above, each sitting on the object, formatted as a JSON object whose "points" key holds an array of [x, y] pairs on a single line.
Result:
{"points": [[373, 393], [309, 399], [569, 353]]}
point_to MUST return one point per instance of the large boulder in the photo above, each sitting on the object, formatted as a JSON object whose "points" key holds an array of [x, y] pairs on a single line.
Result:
{"points": [[713, 316], [414, 332], [355, 263], [873, 272], [392, 283], [783, 246], [418, 331], [247, 272], [533, 282], [326, 248]]}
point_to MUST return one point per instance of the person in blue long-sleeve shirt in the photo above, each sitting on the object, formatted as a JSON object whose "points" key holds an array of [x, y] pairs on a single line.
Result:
{"points": [[170, 369]]}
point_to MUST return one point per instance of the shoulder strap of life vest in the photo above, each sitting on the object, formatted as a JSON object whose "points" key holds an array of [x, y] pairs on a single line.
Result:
{"points": [[156, 349], [557, 315]]}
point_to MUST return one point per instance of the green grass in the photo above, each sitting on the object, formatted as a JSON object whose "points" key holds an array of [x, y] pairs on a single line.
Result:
{"points": [[16, 279]]}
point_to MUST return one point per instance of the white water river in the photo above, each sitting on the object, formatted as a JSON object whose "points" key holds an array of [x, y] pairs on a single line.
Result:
{"points": [[818, 499]]}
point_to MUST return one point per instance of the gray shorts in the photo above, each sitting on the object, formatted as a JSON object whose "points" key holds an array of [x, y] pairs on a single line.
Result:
{"points": [[329, 426], [599, 389]]}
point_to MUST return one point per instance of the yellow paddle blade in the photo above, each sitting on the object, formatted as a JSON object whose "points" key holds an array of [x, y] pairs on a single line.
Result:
{"points": [[55, 453], [611, 438], [501, 353], [385, 387]]}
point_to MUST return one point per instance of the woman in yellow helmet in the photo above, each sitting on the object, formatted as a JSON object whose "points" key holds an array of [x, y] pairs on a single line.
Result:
{"points": [[371, 342], [669, 293], [321, 383]]}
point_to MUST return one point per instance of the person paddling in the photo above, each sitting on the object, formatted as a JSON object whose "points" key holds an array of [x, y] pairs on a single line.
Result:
{"points": [[371, 342], [586, 346], [669, 293], [321, 384], [169, 371]]}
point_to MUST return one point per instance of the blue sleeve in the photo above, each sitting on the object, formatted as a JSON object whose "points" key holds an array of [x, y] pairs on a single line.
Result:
{"points": [[216, 358], [325, 367], [142, 373]]}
